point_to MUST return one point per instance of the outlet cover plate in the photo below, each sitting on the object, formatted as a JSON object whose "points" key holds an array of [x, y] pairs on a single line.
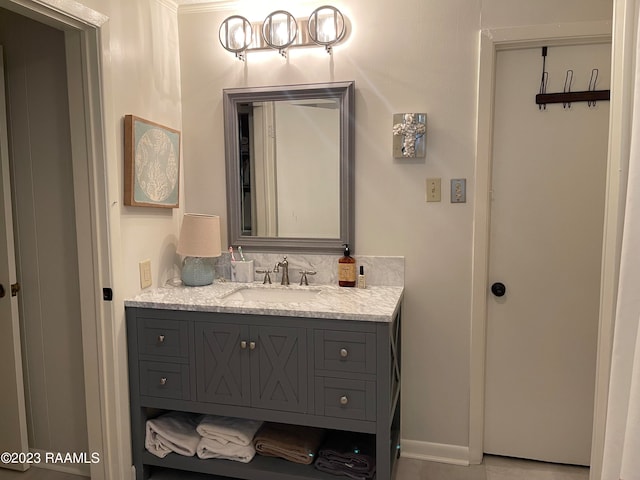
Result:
{"points": [[145, 274], [458, 190], [433, 193]]}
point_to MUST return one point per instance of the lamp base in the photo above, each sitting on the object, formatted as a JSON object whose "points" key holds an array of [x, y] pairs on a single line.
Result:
{"points": [[197, 271]]}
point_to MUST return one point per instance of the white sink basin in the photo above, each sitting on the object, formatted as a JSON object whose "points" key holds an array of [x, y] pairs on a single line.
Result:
{"points": [[272, 295]]}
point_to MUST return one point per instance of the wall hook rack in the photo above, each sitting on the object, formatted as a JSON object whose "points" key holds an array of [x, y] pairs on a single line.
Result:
{"points": [[591, 96]]}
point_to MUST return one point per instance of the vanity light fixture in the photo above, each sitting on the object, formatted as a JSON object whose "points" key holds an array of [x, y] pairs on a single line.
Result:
{"points": [[199, 242], [326, 26], [280, 30], [236, 35]]}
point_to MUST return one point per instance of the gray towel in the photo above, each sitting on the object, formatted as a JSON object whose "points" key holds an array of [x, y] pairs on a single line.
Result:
{"points": [[348, 454]]}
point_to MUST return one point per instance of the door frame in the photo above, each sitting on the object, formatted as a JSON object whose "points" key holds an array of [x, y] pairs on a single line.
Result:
{"points": [[86, 33], [491, 41]]}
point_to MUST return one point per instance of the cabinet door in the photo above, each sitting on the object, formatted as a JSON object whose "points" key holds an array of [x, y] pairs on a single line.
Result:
{"points": [[279, 368], [222, 372]]}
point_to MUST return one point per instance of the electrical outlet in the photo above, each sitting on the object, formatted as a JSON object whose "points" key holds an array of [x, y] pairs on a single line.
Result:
{"points": [[145, 273], [433, 189], [458, 190]]}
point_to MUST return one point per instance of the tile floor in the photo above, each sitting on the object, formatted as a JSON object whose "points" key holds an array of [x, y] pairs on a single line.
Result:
{"points": [[493, 468], [37, 474]]}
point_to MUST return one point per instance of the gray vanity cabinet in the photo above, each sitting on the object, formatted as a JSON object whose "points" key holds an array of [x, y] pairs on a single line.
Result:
{"points": [[327, 373]]}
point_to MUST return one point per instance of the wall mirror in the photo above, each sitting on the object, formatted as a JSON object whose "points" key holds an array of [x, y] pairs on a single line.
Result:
{"points": [[289, 161]]}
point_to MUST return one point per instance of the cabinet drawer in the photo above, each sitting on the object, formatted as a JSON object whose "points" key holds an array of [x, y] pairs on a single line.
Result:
{"points": [[166, 380], [342, 351], [166, 338], [342, 398]]}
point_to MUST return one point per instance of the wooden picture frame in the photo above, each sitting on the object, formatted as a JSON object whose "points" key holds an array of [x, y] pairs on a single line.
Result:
{"points": [[151, 164]]}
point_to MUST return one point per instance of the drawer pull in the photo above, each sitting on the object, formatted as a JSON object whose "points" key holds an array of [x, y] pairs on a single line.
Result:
{"points": [[243, 344], [344, 400], [163, 380], [252, 345], [160, 338], [344, 353]]}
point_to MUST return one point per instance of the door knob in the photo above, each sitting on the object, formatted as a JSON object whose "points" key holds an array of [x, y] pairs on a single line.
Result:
{"points": [[498, 289], [2, 292]]}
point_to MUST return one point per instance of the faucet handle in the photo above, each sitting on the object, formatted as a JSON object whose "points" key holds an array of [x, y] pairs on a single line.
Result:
{"points": [[303, 278], [267, 276]]}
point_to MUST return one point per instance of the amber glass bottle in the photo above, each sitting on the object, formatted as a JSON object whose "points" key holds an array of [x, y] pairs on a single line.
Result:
{"points": [[347, 269]]}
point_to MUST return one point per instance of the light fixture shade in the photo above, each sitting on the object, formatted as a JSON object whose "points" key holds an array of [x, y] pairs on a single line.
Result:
{"points": [[326, 26], [279, 29], [199, 236], [236, 34]]}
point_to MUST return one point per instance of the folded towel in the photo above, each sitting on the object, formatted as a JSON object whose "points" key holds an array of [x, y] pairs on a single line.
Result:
{"points": [[291, 442], [349, 454], [335, 468], [172, 432], [209, 448], [228, 429]]}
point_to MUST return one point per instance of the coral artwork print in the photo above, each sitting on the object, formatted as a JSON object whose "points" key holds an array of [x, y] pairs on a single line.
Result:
{"points": [[152, 164], [156, 165]]}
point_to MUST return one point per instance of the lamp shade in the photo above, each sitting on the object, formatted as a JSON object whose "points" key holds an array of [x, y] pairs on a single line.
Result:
{"points": [[199, 236]]}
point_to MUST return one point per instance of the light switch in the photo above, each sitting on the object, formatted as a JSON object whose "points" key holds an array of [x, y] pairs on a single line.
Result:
{"points": [[145, 274], [458, 190], [433, 189]]}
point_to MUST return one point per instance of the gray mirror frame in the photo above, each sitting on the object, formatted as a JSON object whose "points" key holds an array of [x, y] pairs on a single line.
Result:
{"points": [[345, 92]]}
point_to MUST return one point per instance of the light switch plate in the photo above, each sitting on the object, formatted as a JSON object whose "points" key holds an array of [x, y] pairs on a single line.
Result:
{"points": [[145, 274], [458, 190], [433, 189]]}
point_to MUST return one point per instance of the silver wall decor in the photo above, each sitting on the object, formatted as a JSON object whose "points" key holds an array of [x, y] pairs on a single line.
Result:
{"points": [[409, 135]]}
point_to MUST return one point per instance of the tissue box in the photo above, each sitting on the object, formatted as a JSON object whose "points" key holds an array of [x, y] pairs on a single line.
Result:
{"points": [[242, 271]]}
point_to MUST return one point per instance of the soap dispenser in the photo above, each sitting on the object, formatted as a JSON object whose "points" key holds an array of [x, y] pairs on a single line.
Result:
{"points": [[347, 269]]}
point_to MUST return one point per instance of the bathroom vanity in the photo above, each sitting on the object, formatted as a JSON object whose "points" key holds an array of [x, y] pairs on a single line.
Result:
{"points": [[329, 359]]}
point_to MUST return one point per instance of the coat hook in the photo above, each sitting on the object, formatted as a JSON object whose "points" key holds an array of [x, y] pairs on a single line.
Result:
{"points": [[544, 78], [592, 85], [568, 80]]}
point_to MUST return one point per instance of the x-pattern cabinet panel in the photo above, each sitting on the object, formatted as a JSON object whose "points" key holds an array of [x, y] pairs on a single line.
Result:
{"points": [[261, 366]]}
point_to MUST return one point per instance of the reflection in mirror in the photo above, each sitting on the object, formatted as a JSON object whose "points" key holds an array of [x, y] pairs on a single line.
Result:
{"points": [[289, 177], [304, 135]]}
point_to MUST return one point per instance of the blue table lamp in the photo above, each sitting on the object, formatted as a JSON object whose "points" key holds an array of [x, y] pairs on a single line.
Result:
{"points": [[199, 242]]}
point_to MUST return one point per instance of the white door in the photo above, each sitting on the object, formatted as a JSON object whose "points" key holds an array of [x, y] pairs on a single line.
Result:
{"points": [[13, 423], [548, 191]]}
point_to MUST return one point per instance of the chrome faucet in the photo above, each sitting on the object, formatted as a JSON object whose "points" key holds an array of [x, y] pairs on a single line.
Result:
{"points": [[285, 270]]}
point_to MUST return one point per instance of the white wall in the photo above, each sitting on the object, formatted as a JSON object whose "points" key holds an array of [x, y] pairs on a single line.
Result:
{"points": [[140, 75], [140, 61], [423, 60], [505, 13], [144, 73]]}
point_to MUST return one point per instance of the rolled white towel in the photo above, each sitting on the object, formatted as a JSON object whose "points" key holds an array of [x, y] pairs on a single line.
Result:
{"points": [[209, 448], [173, 432], [225, 430]]}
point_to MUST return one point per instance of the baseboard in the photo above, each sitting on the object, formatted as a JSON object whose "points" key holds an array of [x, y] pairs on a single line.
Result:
{"points": [[435, 452], [71, 468]]}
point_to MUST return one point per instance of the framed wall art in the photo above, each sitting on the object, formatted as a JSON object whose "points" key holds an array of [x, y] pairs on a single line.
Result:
{"points": [[151, 164]]}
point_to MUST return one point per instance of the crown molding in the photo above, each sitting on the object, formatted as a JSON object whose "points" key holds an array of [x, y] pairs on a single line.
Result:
{"points": [[211, 6], [170, 4]]}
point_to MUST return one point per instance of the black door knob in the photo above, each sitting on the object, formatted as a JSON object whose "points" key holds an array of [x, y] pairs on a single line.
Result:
{"points": [[498, 289], [2, 293]]}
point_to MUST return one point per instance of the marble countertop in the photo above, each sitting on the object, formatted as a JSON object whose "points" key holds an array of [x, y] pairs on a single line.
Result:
{"points": [[374, 304]]}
